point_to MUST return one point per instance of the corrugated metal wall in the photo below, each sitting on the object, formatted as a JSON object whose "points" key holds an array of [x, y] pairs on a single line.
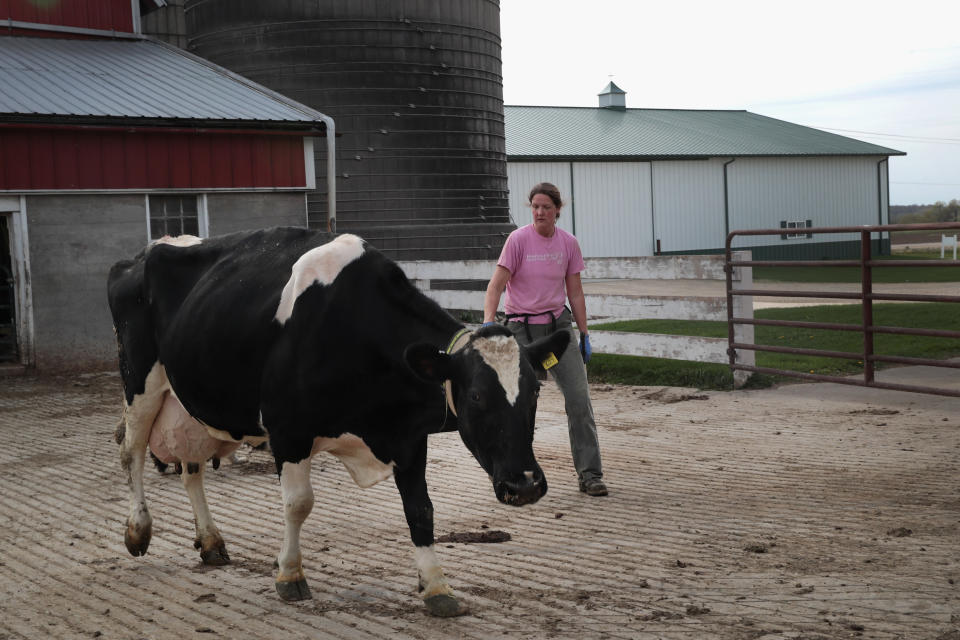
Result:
{"points": [[614, 212], [827, 191], [688, 205], [606, 204], [613, 208], [522, 176]]}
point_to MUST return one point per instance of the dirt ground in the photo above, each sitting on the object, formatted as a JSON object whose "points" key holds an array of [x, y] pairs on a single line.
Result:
{"points": [[806, 512]]}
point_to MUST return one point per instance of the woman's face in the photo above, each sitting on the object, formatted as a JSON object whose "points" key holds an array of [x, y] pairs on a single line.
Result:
{"points": [[544, 214]]}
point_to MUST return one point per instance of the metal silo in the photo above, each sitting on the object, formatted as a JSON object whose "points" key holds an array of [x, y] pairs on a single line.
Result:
{"points": [[416, 91]]}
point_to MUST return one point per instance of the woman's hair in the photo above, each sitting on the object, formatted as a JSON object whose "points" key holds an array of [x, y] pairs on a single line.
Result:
{"points": [[548, 190]]}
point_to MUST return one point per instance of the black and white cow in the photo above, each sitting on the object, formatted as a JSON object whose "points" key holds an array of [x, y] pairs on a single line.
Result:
{"points": [[320, 343]]}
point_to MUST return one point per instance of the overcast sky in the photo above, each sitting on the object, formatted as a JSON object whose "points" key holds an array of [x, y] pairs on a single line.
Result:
{"points": [[879, 71]]}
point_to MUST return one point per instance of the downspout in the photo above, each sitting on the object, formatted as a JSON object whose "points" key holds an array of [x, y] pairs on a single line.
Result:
{"points": [[880, 200], [331, 172], [135, 11], [726, 199], [573, 204], [653, 217]]}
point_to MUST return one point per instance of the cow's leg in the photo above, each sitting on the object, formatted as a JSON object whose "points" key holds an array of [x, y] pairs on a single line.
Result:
{"points": [[297, 503], [412, 483], [138, 417], [208, 541]]}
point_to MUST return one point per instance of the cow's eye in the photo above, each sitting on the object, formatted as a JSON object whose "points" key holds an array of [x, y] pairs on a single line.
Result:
{"points": [[475, 396]]}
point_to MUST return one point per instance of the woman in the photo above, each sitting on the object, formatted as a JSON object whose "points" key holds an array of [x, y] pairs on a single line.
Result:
{"points": [[540, 268]]}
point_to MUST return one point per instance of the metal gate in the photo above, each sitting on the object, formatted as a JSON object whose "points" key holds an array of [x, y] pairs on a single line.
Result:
{"points": [[866, 296], [8, 314]]}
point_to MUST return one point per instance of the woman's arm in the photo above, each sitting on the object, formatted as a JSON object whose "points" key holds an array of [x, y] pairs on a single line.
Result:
{"points": [[578, 304], [494, 290]]}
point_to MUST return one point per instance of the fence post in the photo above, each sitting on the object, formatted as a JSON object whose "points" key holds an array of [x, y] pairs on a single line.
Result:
{"points": [[743, 308]]}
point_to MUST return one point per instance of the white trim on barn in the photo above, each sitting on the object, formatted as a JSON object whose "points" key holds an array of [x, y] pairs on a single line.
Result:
{"points": [[309, 166]]}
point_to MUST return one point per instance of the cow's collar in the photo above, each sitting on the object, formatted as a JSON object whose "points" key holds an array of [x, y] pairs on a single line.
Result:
{"points": [[453, 347]]}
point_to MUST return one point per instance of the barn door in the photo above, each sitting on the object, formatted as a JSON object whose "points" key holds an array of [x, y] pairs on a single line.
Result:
{"points": [[8, 319]]}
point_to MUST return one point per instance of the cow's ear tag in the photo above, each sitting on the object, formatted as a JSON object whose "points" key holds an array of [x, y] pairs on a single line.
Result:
{"points": [[549, 361]]}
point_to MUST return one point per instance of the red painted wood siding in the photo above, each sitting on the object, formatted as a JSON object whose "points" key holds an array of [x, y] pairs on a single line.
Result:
{"points": [[32, 159], [86, 14]]}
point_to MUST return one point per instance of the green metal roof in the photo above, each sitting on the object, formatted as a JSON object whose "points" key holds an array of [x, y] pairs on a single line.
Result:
{"points": [[548, 133]]}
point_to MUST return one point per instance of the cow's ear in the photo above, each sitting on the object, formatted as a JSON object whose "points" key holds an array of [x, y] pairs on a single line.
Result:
{"points": [[545, 352], [427, 362]]}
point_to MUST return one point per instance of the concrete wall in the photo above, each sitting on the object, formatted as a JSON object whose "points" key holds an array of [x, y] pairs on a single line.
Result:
{"points": [[74, 239], [230, 212]]}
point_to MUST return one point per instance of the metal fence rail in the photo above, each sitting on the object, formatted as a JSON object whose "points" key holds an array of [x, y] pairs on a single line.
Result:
{"points": [[866, 296]]}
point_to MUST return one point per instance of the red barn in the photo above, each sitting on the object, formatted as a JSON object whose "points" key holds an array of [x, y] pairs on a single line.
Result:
{"points": [[109, 140]]}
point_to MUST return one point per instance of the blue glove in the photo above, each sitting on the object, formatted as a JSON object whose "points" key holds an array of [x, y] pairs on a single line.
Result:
{"points": [[585, 349], [487, 324]]}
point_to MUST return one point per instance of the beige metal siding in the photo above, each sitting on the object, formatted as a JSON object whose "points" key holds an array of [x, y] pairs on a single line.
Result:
{"points": [[688, 205], [827, 191]]}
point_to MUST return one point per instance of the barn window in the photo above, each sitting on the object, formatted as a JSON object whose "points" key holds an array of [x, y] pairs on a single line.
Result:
{"points": [[175, 215], [793, 225]]}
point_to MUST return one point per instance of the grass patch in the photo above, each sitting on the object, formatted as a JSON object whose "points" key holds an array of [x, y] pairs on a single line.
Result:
{"points": [[919, 236], [945, 273], [656, 372], [612, 368]]}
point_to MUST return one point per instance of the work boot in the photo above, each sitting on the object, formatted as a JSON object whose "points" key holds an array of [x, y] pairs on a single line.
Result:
{"points": [[593, 487]]}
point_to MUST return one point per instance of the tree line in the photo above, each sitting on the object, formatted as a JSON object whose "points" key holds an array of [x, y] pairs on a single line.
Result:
{"points": [[916, 213]]}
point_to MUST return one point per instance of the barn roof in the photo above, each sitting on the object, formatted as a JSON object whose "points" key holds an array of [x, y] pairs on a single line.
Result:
{"points": [[590, 133], [134, 80]]}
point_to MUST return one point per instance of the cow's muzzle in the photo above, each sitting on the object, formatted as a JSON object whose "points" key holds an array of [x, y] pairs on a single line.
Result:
{"points": [[526, 490]]}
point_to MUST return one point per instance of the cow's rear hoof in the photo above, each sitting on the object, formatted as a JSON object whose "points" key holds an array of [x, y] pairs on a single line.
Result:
{"points": [[293, 591], [137, 544], [216, 557], [444, 606]]}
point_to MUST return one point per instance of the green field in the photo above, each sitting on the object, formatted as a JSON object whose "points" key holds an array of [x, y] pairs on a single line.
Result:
{"points": [[655, 372], [949, 272]]}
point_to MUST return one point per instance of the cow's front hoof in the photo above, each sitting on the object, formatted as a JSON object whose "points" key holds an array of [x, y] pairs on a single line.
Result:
{"points": [[215, 557], [293, 590], [137, 539], [444, 606]]}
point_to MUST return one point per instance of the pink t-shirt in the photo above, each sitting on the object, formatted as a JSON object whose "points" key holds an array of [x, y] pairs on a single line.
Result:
{"points": [[538, 269]]}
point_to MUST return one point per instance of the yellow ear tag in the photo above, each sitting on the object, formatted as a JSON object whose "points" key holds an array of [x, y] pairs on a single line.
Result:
{"points": [[549, 361]]}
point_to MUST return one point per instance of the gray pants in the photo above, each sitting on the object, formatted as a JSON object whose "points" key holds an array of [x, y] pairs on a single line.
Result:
{"points": [[570, 375]]}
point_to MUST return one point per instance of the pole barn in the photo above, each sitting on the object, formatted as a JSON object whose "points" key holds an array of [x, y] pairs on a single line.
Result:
{"points": [[642, 182]]}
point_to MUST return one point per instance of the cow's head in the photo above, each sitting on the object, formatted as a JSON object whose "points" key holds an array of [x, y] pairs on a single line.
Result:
{"points": [[492, 389]]}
